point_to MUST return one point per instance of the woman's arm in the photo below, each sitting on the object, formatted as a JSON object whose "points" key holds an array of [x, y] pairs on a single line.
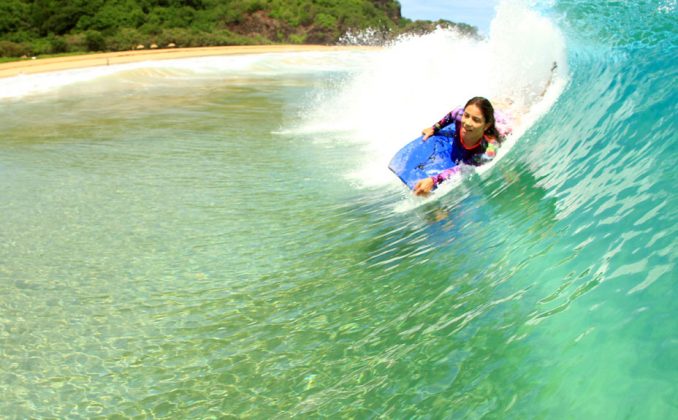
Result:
{"points": [[426, 185], [450, 118]]}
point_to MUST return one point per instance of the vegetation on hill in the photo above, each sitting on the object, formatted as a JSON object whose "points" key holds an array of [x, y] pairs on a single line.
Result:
{"points": [[32, 27]]}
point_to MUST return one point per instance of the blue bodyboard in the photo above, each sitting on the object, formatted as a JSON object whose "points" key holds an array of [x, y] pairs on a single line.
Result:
{"points": [[421, 159]]}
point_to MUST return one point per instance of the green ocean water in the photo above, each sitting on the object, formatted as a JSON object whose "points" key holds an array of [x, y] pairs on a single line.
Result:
{"points": [[191, 243]]}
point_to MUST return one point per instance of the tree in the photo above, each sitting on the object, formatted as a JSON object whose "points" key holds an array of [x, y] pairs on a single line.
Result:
{"points": [[14, 16]]}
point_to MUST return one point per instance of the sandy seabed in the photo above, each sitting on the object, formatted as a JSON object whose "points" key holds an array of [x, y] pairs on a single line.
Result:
{"points": [[42, 65]]}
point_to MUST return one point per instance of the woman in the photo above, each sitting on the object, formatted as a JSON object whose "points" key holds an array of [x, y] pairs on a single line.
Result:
{"points": [[475, 139]]}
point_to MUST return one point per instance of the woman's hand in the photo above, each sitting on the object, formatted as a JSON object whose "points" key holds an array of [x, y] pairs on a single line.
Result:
{"points": [[423, 186], [427, 132]]}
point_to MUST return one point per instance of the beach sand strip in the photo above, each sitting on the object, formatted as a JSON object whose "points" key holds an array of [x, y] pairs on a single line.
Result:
{"points": [[43, 65]]}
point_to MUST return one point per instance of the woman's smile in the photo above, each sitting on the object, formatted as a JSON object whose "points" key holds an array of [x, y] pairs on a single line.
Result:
{"points": [[472, 124]]}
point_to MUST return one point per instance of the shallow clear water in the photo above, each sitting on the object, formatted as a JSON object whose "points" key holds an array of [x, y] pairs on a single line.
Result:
{"points": [[182, 242]]}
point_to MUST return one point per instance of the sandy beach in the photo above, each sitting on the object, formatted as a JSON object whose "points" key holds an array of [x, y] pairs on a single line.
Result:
{"points": [[38, 65]]}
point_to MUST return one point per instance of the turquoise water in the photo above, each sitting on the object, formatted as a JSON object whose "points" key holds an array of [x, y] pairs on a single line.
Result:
{"points": [[220, 237]]}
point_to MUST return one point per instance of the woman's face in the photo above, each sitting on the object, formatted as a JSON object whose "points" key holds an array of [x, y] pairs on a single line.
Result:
{"points": [[473, 124]]}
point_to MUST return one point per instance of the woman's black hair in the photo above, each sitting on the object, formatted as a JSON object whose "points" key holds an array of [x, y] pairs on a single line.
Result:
{"points": [[487, 109]]}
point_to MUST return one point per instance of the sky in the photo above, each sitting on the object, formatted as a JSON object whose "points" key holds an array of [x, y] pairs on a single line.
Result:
{"points": [[478, 13]]}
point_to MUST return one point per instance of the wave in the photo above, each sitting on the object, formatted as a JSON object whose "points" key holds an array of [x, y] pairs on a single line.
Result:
{"points": [[418, 79]]}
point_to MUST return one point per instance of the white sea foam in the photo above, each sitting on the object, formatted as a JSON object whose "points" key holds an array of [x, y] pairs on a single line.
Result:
{"points": [[666, 6], [154, 72], [417, 80]]}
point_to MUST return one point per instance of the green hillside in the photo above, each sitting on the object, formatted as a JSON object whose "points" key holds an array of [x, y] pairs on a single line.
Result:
{"points": [[32, 27]]}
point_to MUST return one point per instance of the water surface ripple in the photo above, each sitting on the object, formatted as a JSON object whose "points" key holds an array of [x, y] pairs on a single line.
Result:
{"points": [[180, 249]]}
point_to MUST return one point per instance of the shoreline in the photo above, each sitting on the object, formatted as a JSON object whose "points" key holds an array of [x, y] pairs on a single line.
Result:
{"points": [[53, 64]]}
